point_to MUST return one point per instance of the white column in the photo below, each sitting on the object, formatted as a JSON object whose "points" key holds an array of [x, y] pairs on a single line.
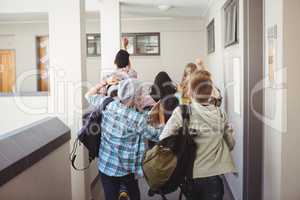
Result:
{"points": [[110, 33], [67, 62]]}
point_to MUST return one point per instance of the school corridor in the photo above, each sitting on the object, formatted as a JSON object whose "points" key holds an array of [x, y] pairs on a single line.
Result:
{"points": [[56, 56]]}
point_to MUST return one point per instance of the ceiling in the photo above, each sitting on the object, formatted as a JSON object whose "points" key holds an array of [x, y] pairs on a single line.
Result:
{"points": [[138, 10], [19, 17], [149, 8], [168, 2], [129, 9]]}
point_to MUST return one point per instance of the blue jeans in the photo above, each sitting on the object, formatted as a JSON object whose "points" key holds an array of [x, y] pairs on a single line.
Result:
{"points": [[111, 186]]}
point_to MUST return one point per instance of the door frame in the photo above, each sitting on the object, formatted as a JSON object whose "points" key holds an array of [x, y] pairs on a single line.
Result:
{"points": [[253, 74]]}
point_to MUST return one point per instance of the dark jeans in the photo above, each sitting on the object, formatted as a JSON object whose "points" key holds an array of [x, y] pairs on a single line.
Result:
{"points": [[210, 188], [111, 186]]}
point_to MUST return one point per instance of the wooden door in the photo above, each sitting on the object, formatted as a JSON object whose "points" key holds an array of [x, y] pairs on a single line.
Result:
{"points": [[43, 63], [7, 71]]}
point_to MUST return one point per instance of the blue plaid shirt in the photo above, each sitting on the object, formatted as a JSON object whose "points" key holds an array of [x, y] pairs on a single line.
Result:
{"points": [[124, 131]]}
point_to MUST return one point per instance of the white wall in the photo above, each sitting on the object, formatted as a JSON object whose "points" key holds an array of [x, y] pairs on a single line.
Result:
{"points": [[273, 107], [68, 68], [16, 117], [281, 151], [21, 37], [220, 63], [182, 41], [290, 140]]}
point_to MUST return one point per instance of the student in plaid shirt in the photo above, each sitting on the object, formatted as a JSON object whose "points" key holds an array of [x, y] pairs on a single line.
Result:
{"points": [[124, 127]]}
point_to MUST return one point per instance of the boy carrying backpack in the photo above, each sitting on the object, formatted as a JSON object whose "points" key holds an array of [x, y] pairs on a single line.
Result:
{"points": [[211, 133], [123, 131]]}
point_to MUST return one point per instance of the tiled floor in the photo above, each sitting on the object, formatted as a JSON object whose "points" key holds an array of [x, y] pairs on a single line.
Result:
{"points": [[97, 193]]}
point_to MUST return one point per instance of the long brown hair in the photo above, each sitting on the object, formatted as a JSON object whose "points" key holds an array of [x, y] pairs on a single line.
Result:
{"points": [[189, 69]]}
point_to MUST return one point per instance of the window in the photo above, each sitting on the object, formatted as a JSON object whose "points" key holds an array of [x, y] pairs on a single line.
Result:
{"points": [[93, 44], [211, 37], [140, 44], [143, 44], [231, 22]]}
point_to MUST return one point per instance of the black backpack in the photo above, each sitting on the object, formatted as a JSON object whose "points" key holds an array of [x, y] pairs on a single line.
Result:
{"points": [[180, 149], [90, 133]]}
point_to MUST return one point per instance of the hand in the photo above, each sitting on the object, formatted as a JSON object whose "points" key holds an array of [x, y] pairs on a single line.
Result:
{"points": [[125, 43], [94, 90], [113, 80], [236, 174], [199, 61], [100, 85]]}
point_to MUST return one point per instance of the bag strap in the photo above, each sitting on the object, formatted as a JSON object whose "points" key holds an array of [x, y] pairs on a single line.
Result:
{"points": [[105, 103], [185, 113], [73, 154]]}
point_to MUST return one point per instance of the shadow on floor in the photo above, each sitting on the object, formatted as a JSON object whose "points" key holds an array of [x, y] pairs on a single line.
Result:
{"points": [[97, 192]]}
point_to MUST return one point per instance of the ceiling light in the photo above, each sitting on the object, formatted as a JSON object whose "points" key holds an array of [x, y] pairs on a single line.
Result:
{"points": [[164, 7]]}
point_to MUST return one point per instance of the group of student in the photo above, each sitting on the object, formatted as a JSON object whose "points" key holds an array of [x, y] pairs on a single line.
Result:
{"points": [[139, 117]]}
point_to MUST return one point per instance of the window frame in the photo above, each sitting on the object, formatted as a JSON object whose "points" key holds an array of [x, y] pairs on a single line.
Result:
{"points": [[210, 31], [136, 35], [231, 31], [88, 55]]}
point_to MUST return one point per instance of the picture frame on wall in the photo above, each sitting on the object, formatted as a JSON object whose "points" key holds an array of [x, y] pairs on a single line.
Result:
{"points": [[231, 16], [211, 37]]}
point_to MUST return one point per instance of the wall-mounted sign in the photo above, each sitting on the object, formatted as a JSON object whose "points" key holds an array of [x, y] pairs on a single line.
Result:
{"points": [[272, 52]]}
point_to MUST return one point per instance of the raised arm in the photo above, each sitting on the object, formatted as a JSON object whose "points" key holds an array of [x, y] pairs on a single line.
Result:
{"points": [[125, 43], [94, 90], [92, 95]]}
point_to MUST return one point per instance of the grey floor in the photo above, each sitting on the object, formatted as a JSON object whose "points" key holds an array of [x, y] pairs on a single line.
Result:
{"points": [[97, 193]]}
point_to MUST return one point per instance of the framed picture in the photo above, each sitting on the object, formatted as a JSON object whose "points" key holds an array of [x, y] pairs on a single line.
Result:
{"points": [[230, 9], [143, 44], [211, 37], [93, 45]]}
